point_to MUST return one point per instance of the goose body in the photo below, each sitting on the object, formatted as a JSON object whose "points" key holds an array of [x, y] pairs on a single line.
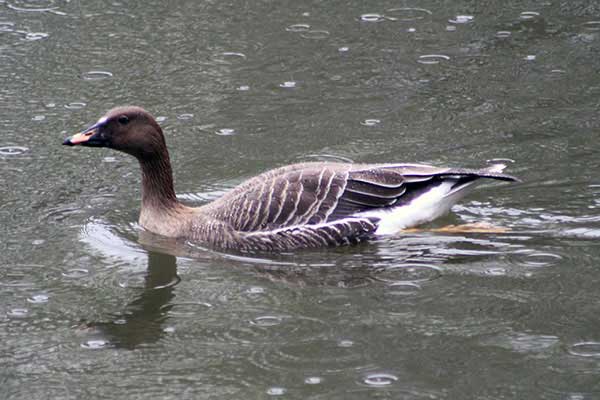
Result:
{"points": [[302, 205]]}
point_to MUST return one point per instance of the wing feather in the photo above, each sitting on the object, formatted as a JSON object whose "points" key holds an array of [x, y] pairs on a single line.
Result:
{"points": [[317, 194]]}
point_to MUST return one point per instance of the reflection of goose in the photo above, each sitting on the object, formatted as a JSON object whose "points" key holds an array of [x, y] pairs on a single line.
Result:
{"points": [[296, 206], [141, 321]]}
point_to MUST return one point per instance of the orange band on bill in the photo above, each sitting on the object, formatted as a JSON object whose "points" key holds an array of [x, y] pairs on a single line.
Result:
{"points": [[81, 137]]}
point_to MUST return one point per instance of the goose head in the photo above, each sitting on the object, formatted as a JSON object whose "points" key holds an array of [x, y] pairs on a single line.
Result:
{"points": [[130, 129]]}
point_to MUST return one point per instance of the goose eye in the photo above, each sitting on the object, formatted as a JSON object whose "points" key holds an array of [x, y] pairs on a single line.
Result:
{"points": [[123, 120]]}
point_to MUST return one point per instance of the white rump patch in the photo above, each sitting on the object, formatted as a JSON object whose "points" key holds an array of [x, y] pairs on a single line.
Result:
{"points": [[425, 208], [496, 167]]}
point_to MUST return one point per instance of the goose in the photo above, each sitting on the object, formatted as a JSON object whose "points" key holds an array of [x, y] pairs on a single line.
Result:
{"points": [[304, 205]]}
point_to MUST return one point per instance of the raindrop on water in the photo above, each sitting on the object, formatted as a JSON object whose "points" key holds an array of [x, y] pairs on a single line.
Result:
{"points": [[267, 320], [255, 290], [96, 75], [38, 118], [17, 312], [186, 309], [276, 391], [585, 349], [343, 49], [495, 271], [6, 26], [373, 17], [38, 299], [243, 88], [503, 34], [370, 122], [461, 19], [95, 344], [408, 273], [316, 34], [32, 6], [407, 13], [345, 343], [313, 380], [541, 259], [185, 116], [233, 54], [592, 25], [431, 59], [298, 28], [75, 273], [12, 150], [288, 84], [380, 379], [226, 132], [529, 57], [525, 15], [77, 105], [36, 36]]}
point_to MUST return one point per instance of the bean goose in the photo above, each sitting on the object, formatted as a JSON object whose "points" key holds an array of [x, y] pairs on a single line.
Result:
{"points": [[303, 205]]}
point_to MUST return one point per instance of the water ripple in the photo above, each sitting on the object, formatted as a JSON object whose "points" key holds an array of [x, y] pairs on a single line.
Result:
{"points": [[95, 344], [298, 28], [17, 313], [33, 36], [25, 275], [408, 274], [591, 25], [225, 132], [461, 19], [267, 320], [276, 391], [32, 6], [96, 75], [288, 84], [379, 379], [186, 309], [230, 57], [526, 15], [139, 280], [372, 17], [585, 349], [323, 356], [313, 380], [78, 105], [370, 122], [407, 14], [38, 299], [76, 273], [13, 150], [315, 34], [430, 59], [533, 258]]}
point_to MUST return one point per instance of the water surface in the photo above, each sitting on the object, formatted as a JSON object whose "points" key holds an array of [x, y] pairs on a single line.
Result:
{"points": [[92, 307]]}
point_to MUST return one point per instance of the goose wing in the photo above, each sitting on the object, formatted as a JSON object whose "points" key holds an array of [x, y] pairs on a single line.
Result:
{"points": [[295, 195], [319, 193]]}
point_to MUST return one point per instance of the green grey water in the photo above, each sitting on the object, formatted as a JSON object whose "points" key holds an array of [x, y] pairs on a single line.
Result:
{"points": [[92, 307]]}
